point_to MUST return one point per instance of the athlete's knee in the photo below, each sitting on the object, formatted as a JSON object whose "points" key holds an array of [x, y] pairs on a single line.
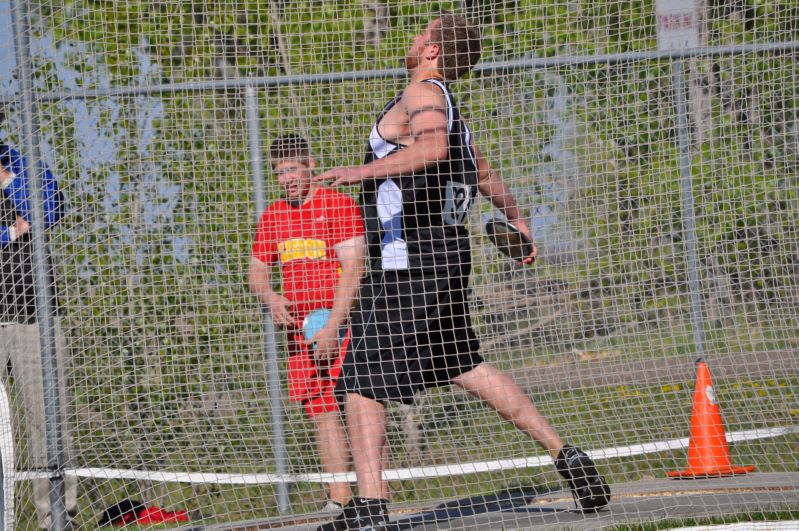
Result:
{"points": [[355, 401], [477, 377]]}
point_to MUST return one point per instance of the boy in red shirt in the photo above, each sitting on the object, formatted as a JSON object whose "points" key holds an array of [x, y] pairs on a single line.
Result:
{"points": [[315, 236]]}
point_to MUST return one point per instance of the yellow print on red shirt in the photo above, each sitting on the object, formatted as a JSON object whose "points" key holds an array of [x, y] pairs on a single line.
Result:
{"points": [[298, 249]]}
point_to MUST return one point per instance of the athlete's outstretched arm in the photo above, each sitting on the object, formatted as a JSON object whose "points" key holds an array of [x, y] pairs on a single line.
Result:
{"points": [[495, 189], [426, 112]]}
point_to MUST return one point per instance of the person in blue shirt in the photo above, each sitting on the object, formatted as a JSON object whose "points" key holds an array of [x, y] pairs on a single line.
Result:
{"points": [[20, 348], [14, 182]]}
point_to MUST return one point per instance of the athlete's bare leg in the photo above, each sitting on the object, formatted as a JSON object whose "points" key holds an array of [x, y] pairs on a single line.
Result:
{"points": [[334, 454], [366, 423], [499, 391]]}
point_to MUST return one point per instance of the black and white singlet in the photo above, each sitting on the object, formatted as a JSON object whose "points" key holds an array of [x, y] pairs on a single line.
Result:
{"points": [[418, 221]]}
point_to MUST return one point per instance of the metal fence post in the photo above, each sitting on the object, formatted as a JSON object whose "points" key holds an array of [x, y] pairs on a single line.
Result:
{"points": [[270, 342], [687, 204], [7, 480], [44, 302]]}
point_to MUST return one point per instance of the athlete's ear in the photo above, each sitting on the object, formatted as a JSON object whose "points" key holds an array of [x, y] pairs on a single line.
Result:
{"points": [[432, 51], [311, 162]]}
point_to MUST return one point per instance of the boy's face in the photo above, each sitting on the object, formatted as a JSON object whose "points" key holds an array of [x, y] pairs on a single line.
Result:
{"points": [[294, 176]]}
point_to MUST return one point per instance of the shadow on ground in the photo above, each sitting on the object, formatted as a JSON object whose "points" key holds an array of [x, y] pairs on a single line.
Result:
{"points": [[512, 500]]}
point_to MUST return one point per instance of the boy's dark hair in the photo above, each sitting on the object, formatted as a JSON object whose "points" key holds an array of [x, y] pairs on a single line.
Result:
{"points": [[290, 146], [461, 45]]}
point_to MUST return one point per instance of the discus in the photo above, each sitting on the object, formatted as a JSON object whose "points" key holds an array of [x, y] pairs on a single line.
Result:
{"points": [[508, 239]]}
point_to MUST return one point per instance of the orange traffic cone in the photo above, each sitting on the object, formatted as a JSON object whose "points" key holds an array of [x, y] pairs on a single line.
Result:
{"points": [[708, 454]]}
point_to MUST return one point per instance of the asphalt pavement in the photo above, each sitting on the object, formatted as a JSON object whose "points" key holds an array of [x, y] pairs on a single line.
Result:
{"points": [[634, 502]]}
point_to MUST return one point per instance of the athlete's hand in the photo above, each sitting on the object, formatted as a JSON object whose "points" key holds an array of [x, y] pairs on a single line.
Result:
{"points": [[522, 226], [327, 345], [280, 310], [341, 176]]}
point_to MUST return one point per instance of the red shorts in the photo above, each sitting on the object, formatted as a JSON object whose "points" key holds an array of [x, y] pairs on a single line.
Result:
{"points": [[311, 382]]}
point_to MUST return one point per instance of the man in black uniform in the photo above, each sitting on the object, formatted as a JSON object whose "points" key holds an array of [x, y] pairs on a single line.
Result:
{"points": [[19, 348], [412, 328]]}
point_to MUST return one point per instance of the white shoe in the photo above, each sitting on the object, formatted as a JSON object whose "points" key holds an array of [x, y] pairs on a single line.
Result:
{"points": [[332, 507]]}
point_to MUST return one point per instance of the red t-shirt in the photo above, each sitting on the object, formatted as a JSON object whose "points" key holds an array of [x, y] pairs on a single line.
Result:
{"points": [[301, 240]]}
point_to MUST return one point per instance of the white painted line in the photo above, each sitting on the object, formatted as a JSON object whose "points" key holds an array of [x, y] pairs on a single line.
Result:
{"points": [[789, 525], [403, 473]]}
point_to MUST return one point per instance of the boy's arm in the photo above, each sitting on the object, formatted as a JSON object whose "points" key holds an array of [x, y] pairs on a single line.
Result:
{"points": [[350, 254], [260, 281]]}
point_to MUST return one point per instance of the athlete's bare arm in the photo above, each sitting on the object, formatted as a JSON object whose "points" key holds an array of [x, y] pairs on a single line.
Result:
{"points": [[495, 189], [422, 127]]}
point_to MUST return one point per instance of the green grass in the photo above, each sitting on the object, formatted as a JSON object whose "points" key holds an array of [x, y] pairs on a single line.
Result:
{"points": [[639, 414], [769, 516]]}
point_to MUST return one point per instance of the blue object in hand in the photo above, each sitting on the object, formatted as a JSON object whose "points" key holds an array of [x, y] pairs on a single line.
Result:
{"points": [[315, 321]]}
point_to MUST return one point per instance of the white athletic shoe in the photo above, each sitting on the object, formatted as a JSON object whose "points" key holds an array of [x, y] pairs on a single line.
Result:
{"points": [[332, 507]]}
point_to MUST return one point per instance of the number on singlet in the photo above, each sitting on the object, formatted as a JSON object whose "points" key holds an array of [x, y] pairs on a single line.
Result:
{"points": [[457, 201]]}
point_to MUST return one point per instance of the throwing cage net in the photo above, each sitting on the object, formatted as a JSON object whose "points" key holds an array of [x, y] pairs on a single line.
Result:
{"points": [[658, 180]]}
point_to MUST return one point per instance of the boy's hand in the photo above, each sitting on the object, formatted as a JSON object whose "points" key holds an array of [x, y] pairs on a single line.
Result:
{"points": [[325, 343], [280, 310]]}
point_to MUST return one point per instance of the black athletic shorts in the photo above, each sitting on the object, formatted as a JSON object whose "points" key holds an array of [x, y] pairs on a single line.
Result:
{"points": [[409, 332]]}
